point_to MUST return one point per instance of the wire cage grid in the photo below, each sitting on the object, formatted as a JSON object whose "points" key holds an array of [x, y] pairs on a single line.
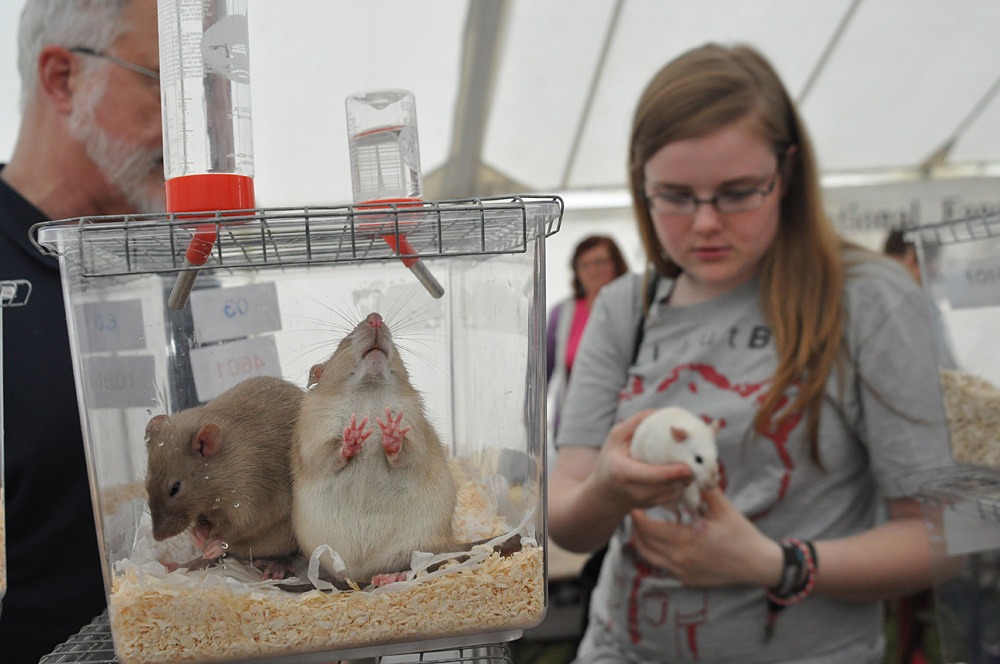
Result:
{"points": [[93, 644], [966, 229], [280, 237]]}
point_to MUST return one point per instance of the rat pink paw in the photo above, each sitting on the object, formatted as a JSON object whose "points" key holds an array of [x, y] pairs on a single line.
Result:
{"points": [[274, 568], [354, 435], [392, 434], [386, 579], [214, 549], [199, 534]]}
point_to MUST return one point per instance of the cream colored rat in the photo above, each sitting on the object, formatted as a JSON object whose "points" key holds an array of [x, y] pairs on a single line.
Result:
{"points": [[371, 478], [674, 435]]}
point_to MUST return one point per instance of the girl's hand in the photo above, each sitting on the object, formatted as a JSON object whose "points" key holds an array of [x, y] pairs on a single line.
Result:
{"points": [[727, 550], [629, 483], [596, 489]]}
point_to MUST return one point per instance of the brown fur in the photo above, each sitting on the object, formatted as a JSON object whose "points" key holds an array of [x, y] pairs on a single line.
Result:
{"points": [[241, 490]]}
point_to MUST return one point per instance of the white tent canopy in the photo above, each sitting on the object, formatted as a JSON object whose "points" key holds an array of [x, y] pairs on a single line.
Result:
{"points": [[537, 95], [901, 97]]}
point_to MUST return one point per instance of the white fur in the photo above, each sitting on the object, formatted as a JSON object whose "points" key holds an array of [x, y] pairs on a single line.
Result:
{"points": [[654, 441]]}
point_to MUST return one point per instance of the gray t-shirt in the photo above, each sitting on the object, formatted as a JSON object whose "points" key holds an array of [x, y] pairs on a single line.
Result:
{"points": [[716, 359]]}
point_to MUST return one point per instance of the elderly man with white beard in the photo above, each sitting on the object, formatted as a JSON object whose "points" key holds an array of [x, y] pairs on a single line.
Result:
{"points": [[90, 143]]}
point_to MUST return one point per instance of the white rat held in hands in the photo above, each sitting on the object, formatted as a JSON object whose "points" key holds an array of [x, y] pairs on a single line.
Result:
{"points": [[674, 435]]}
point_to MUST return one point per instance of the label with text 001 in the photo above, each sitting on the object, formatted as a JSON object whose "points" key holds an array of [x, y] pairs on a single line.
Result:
{"points": [[120, 381]]}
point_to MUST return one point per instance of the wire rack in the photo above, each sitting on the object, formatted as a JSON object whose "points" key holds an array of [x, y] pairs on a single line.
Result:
{"points": [[968, 229], [93, 645], [143, 244], [972, 490]]}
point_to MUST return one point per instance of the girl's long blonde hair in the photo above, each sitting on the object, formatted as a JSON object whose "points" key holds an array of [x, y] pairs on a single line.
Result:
{"points": [[802, 274]]}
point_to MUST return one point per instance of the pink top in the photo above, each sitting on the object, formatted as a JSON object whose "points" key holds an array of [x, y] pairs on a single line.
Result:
{"points": [[580, 314]]}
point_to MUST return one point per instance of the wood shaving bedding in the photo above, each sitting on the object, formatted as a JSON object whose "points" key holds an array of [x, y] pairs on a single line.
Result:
{"points": [[154, 623], [972, 405], [186, 616]]}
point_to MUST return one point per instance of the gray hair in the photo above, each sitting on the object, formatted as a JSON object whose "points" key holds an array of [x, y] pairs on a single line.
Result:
{"points": [[93, 24]]}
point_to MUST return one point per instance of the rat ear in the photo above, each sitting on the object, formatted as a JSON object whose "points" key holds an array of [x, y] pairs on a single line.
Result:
{"points": [[315, 373], [715, 426], [207, 442], [678, 434], [153, 427]]}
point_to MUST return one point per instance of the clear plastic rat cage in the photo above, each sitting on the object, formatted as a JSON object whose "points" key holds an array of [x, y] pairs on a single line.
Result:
{"points": [[170, 312], [278, 291], [960, 271]]}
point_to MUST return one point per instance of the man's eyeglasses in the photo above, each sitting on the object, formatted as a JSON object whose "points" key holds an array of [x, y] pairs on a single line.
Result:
{"points": [[118, 61], [732, 201]]}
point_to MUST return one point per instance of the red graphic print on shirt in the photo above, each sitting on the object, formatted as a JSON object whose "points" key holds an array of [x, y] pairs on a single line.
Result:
{"points": [[651, 607], [631, 390]]}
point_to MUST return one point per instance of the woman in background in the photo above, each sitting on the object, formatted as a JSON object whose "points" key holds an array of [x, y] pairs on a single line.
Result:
{"points": [[596, 262]]}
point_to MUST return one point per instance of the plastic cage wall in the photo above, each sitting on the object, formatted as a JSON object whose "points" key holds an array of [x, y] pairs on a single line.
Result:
{"points": [[960, 271], [280, 289]]}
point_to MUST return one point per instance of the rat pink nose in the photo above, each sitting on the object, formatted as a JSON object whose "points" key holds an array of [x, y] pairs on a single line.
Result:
{"points": [[375, 320]]}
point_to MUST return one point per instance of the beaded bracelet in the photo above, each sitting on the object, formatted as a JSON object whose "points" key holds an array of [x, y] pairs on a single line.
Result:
{"points": [[805, 554], [798, 557], [791, 571]]}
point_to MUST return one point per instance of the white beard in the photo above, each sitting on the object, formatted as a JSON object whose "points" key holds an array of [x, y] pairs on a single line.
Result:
{"points": [[124, 165]]}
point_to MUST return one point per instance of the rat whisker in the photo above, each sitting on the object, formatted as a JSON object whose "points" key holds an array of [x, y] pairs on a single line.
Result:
{"points": [[312, 325], [415, 316], [404, 313], [427, 359], [317, 352], [341, 308], [392, 313]]}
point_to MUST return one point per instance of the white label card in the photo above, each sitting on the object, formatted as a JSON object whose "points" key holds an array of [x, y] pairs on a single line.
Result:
{"points": [[232, 313], [217, 368], [974, 283], [120, 382], [110, 326]]}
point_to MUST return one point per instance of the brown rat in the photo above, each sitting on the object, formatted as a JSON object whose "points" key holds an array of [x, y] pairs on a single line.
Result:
{"points": [[371, 478], [224, 469]]}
